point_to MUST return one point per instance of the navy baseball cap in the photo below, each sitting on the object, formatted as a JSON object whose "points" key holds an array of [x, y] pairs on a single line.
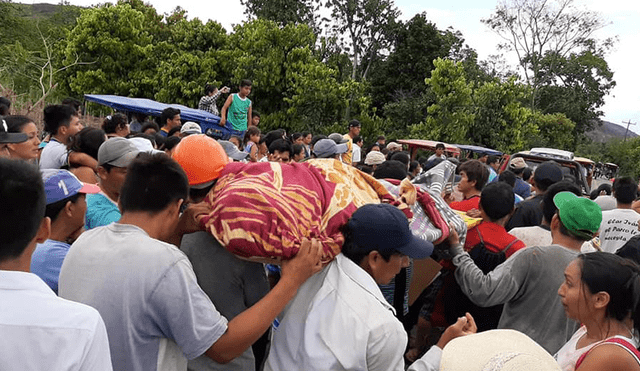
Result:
{"points": [[384, 228], [61, 184]]}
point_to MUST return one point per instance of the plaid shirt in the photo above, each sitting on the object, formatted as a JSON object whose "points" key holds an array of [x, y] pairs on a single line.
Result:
{"points": [[208, 103]]}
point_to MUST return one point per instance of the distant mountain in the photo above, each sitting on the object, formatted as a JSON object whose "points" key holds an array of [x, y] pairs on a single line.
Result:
{"points": [[608, 130]]}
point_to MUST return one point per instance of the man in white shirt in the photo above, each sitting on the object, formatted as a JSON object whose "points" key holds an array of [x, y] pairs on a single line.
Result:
{"points": [[620, 224], [39, 330], [356, 156], [339, 320], [156, 315]]}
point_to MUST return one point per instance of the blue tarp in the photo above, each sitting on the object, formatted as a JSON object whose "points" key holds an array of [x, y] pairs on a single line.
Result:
{"points": [[478, 149], [208, 121]]}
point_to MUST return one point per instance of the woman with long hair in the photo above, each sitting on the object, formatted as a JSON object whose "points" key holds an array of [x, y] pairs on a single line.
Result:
{"points": [[29, 150], [602, 292]]}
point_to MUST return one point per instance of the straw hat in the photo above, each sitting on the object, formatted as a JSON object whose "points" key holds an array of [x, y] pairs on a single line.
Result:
{"points": [[496, 350]]}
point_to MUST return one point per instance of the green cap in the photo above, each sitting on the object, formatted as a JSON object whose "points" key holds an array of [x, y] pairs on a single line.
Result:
{"points": [[581, 216]]}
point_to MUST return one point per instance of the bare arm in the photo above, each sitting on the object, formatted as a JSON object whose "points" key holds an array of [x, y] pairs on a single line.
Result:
{"points": [[608, 357], [248, 326], [83, 159], [249, 115], [223, 111], [253, 155]]}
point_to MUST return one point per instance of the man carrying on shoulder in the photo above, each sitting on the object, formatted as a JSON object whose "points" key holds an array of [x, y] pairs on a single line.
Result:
{"points": [[527, 282], [40, 331], [156, 315], [339, 320]]}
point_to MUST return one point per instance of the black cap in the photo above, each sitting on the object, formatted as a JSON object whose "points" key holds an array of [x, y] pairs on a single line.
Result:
{"points": [[354, 123], [6, 137]]}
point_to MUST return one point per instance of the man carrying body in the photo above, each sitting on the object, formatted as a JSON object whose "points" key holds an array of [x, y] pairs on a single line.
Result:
{"points": [[39, 330], [145, 289], [339, 319], [527, 282], [114, 155]]}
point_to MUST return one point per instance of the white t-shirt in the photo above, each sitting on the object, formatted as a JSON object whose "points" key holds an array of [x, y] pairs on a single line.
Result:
{"points": [[338, 321], [538, 236], [156, 315], [54, 155], [41, 331], [617, 227], [355, 154]]}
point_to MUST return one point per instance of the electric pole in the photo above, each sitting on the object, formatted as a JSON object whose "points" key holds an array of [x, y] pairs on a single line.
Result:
{"points": [[625, 133]]}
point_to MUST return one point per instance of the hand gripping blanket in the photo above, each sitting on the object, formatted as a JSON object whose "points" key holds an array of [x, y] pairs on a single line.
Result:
{"points": [[264, 210]]}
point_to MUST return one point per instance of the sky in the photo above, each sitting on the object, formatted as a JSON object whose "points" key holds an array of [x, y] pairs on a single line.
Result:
{"points": [[621, 105]]}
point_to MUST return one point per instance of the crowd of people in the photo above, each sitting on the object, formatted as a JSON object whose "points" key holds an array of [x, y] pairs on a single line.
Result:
{"points": [[104, 264]]}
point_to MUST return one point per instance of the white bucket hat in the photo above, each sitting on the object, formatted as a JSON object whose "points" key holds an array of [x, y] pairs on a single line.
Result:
{"points": [[496, 350]]}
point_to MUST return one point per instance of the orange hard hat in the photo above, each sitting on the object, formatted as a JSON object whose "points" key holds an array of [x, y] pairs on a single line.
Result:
{"points": [[201, 157]]}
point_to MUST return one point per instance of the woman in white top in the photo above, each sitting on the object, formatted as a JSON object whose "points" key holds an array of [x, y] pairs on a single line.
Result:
{"points": [[602, 292]]}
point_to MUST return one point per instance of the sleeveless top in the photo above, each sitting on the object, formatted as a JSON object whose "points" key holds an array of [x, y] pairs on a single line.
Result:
{"points": [[569, 358], [238, 112]]}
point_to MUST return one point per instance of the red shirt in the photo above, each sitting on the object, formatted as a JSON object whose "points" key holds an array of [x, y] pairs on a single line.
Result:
{"points": [[470, 203], [495, 238]]}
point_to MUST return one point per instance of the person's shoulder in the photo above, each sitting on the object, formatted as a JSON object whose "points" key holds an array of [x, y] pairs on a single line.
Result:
{"points": [[610, 356], [73, 314]]}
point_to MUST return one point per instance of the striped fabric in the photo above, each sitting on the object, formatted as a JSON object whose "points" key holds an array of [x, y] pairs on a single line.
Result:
{"points": [[264, 210]]}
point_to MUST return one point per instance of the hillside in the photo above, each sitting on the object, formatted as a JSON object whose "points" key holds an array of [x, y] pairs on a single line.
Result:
{"points": [[609, 130]]}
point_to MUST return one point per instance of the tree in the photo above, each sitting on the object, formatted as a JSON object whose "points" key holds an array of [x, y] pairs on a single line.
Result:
{"points": [[450, 117], [117, 41], [546, 35], [500, 120], [365, 24], [414, 46], [285, 12]]}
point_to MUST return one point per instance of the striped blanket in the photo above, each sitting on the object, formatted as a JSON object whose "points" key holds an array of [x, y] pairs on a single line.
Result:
{"points": [[264, 210]]}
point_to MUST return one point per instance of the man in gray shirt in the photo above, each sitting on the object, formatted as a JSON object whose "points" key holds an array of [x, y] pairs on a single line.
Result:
{"points": [[527, 283], [145, 289]]}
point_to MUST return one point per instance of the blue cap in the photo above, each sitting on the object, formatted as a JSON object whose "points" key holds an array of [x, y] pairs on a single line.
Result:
{"points": [[384, 228], [61, 184]]}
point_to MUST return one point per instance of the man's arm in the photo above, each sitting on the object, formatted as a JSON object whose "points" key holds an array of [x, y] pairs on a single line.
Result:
{"points": [[83, 159], [248, 326], [223, 111], [498, 286], [431, 360]]}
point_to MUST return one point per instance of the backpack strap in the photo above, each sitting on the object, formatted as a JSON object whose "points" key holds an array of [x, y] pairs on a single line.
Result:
{"points": [[509, 245], [503, 250]]}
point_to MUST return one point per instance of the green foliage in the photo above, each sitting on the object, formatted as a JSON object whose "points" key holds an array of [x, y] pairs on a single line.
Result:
{"points": [[451, 116], [284, 12], [556, 131], [115, 40]]}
